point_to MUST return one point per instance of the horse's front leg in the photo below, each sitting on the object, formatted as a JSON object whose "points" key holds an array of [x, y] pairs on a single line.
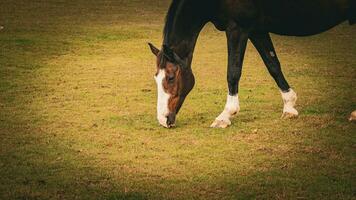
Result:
{"points": [[237, 41], [264, 45]]}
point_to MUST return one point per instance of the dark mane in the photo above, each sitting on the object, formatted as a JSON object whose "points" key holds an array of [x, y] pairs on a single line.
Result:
{"points": [[169, 23], [170, 18]]}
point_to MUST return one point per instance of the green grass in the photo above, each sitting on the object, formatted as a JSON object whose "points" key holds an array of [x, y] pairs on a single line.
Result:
{"points": [[77, 111]]}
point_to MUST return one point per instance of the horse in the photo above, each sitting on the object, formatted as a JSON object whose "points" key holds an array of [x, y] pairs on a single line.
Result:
{"points": [[242, 20]]}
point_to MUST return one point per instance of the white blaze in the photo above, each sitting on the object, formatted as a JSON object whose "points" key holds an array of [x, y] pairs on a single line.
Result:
{"points": [[162, 99]]}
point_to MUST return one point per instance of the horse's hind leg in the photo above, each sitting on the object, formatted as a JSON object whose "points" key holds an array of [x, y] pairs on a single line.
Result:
{"points": [[237, 41], [264, 45]]}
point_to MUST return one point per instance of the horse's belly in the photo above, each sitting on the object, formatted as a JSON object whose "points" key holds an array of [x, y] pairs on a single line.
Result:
{"points": [[303, 17], [301, 28]]}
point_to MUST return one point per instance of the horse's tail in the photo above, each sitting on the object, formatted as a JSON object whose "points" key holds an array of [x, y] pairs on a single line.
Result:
{"points": [[352, 12]]}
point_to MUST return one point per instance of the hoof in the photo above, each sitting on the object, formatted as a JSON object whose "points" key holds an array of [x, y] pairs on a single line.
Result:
{"points": [[352, 117], [288, 115], [220, 124]]}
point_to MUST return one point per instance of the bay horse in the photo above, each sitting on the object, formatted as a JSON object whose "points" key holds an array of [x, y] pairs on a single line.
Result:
{"points": [[242, 20]]}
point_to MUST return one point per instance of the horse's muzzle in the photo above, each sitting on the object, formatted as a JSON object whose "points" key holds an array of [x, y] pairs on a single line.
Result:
{"points": [[171, 119]]}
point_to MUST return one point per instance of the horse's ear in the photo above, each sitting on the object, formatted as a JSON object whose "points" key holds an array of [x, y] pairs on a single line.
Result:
{"points": [[154, 50]]}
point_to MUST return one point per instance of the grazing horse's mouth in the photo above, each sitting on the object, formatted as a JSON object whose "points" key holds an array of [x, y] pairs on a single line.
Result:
{"points": [[171, 120], [167, 121]]}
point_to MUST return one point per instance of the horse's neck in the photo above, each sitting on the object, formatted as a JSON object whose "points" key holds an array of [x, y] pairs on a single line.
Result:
{"points": [[190, 17]]}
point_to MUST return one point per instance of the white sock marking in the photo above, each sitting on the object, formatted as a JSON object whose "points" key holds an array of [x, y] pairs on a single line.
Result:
{"points": [[232, 107], [289, 99]]}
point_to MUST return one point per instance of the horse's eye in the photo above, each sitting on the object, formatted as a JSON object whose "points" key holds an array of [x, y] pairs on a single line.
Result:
{"points": [[171, 79]]}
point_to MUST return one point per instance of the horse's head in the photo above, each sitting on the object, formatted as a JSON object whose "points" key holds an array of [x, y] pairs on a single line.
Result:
{"points": [[174, 80]]}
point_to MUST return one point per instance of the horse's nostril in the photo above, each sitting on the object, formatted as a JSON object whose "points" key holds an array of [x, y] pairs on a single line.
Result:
{"points": [[169, 122]]}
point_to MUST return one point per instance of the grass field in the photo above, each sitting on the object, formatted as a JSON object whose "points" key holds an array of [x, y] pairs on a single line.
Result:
{"points": [[78, 121]]}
